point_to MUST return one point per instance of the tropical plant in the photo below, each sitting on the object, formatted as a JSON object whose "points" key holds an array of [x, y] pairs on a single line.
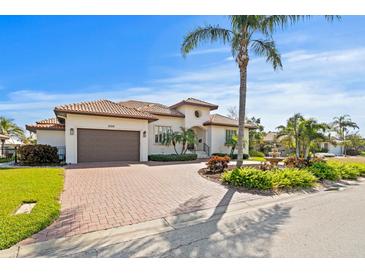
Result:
{"points": [[354, 144], [9, 128], [247, 35], [311, 132], [232, 143], [188, 138], [172, 138], [342, 125], [303, 133], [291, 131], [185, 137], [256, 135]]}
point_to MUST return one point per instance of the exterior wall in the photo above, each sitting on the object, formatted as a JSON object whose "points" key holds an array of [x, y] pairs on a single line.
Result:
{"points": [[54, 138], [217, 137], [333, 149], [190, 119], [175, 123], [76, 121]]}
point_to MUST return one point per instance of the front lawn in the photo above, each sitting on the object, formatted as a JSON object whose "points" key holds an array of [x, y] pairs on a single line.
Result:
{"points": [[257, 159], [18, 185]]}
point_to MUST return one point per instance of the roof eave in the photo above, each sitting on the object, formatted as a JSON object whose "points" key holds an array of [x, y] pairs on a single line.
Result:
{"points": [[212, 107], [60, 112]]}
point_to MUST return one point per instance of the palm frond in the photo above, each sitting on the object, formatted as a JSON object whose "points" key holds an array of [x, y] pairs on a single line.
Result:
{"points": [[205, 34], [267, 49]]}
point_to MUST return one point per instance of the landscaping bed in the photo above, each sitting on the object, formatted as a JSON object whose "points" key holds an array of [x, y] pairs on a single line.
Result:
{"points": [[298, 174], [24, 185]]}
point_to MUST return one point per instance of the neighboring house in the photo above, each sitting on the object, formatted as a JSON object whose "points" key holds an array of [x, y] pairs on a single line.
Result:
{"points": [[103, 130], [271, 139], [3, 139], [331, 148]]}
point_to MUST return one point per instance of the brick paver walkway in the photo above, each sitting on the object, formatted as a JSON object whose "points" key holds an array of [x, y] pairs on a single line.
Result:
{"points": [[99, 197]]}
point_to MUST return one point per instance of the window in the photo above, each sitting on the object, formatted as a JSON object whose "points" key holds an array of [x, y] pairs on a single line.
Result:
{"points": [[160, 133], [197, 114], [229, 134]]}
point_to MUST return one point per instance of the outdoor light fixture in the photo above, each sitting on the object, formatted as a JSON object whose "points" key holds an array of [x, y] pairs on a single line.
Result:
{"points": [[72, 131], [144, 134]]}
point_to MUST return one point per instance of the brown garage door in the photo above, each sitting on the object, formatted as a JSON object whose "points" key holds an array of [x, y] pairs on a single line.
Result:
{"points": [[96, 145]]}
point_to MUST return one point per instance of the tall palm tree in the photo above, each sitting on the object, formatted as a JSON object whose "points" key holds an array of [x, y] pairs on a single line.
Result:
{"points": [[342, 126], [248, 34]]}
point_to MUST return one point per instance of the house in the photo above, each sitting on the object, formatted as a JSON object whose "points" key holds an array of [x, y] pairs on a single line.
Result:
{"points": [[271, 139], [103, 131], [332, 148], [3, 138]]}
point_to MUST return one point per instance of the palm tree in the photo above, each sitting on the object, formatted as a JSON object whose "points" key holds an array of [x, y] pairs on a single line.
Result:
{"points": [[187, 138], [8, 127], [342, 125], [172, 138], [292, 131], [311, 132], [248, 34]]}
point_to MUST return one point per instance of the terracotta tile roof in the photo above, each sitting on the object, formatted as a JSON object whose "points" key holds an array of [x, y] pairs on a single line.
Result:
{"points": [[195, 102], [46, 124], [221, 120], [272, 137], [153, 108], [104, 108], [3, 137]]}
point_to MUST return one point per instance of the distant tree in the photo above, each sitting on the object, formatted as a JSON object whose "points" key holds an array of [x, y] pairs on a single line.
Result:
{"points": [[256, 136], [305, 134], [342, 125], [354, 143], [232, 112], [10, 128]]}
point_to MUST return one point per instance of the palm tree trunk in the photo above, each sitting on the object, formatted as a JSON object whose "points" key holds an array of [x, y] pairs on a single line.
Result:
{"points": [[242, 111]]}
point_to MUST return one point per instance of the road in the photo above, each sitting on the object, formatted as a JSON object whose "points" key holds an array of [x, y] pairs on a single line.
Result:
{"points": [[331, 224], [324, 224]]}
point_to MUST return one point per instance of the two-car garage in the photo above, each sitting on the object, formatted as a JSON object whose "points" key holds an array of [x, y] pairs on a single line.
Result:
{"points": [[101, 145]]}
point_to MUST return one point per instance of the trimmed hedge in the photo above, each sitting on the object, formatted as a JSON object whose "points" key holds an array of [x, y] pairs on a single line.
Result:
{"points": [[255, 153], [37, 155], [275, 179], [172, 157], [234, 156]]}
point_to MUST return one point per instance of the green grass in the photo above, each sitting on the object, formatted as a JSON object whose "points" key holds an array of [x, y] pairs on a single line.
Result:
{"points": [[17, 185], [257, 159]]}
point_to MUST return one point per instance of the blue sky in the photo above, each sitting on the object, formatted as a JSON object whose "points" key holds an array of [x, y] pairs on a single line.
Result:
{"points": [[51, 60]]}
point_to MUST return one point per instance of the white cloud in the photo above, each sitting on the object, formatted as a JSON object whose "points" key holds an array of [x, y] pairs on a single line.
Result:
{"points": [[317, 84]]}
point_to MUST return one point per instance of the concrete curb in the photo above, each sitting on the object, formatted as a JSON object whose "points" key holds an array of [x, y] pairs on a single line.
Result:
{"points": [[67, 246]]}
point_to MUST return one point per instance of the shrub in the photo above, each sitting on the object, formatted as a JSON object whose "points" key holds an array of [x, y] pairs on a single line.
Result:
{"points": [[348, 170], [233, 156], [254, 153], [270, 179], [248, 177], [295, 162], [288, 178], [217, 163], [172, 157], [37, 155], [324, 171]]}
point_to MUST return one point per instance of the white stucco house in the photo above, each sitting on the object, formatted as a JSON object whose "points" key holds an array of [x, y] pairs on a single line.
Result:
{"points": [[104, 131]]}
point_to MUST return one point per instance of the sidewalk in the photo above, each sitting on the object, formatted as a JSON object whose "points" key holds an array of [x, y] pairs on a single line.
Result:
{"points": [[89, 244]]}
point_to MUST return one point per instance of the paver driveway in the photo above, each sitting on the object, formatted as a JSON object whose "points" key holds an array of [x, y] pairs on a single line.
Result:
{"points": [[104, 196]]}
